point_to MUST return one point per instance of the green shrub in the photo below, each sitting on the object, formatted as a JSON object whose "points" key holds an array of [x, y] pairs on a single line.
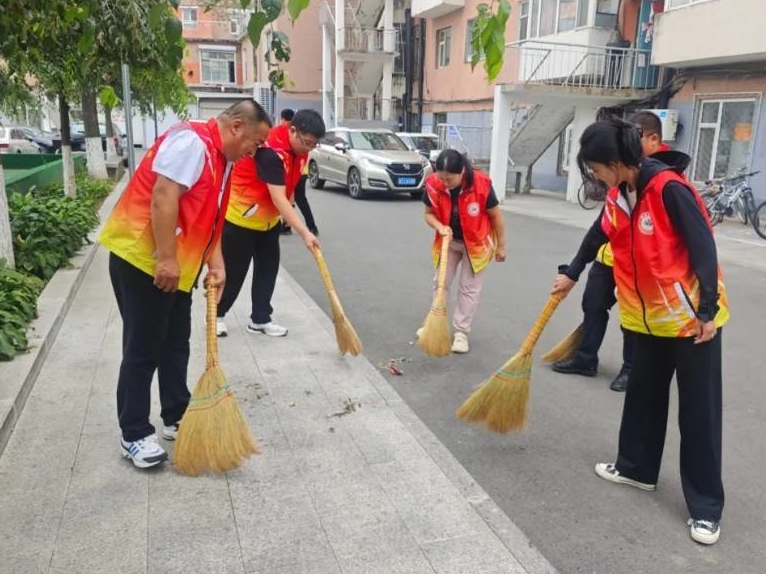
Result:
{"points": [[18, 306]]}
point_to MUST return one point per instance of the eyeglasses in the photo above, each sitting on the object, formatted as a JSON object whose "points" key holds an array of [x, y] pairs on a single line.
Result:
{"points": [[307, 145]]}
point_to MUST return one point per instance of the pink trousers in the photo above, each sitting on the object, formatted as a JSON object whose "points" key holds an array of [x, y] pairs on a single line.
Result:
{"points": [[469, 286]]}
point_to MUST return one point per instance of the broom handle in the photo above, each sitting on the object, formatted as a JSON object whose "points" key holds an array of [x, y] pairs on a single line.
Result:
{"points": [[323, 271], [542, 321], [212, 337], [441, 279]]}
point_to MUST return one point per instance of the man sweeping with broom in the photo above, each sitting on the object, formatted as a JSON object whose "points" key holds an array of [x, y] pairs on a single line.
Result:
{"points": [[165, 227], [461, 204]]}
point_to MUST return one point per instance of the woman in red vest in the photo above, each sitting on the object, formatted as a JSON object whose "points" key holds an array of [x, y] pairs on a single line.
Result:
{"points": [[460, 202], [672, 298]]}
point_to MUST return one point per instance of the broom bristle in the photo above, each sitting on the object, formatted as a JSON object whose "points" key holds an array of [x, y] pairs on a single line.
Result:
{"points": [[501, 401], [435, 339], [213, 434], [345, 334], [566, 349]]}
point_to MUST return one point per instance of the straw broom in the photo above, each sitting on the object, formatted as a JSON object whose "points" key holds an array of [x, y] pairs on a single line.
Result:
{"points": [[348, 340], [501, 400], [213, 435], [436, 339], [566, 349]]}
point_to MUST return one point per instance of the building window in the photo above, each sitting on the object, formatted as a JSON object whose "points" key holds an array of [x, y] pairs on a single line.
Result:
{"points": [[567, 15], [606, 13], [234, 26], [548, 17], [724, 136], [680, 3], [523, 20], [443, 41], [189, 17], [218, 67], [582, 12], [468, 47]]}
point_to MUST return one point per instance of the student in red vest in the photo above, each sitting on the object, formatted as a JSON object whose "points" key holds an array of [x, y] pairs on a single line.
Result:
{"points": [[164, 229], [461, 203], [599, 297], [671, 296], [262, 192]]}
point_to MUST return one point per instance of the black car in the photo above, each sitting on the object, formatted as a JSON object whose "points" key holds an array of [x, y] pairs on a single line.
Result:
{"points": [[77, 141], [45, 141]]}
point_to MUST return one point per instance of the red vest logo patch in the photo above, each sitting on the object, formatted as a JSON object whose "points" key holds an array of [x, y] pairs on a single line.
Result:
{"points": [[645, 223], [473, 209]]}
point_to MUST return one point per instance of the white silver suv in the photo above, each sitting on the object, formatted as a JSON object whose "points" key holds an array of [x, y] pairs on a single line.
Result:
{"points": [[367, 160]]}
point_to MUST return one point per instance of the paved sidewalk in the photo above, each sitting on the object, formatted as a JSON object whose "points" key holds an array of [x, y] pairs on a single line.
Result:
{"points": [[736, 242], [349, 479]]}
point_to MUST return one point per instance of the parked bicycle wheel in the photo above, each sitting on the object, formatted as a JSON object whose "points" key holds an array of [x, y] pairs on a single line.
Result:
{"points": [[590, 194], [714, 209], [741, 209], [758, 220]]}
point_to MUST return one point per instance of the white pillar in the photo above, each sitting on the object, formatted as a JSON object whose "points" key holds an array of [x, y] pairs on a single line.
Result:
{"points": [[389, 34], [327, 115], [370, 107], [386, 90], [340, 25], [583, 117], [501, 128], [339, 88]]}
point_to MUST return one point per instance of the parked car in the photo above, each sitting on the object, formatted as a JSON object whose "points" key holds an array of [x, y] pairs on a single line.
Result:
{"points": [[13, 139], [79, 128], [366, 160], [77, 141], [426, 144], [43, 140]]}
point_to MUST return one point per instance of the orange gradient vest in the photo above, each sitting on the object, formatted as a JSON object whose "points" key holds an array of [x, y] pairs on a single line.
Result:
{"points": [[251, 205], [478, 237], [657, 288], [128, 231]]}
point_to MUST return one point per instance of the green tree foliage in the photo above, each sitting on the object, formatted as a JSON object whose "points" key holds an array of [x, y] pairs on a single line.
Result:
{"points": [[488, 36]]}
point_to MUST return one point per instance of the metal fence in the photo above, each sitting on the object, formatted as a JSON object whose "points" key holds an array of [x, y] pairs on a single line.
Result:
{"points": [[369, 40], [476, 141]]}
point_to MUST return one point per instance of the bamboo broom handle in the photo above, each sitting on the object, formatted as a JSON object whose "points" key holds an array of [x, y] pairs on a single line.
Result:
{"points": [[443, 258], [323, 271], [211, 335], [542, 321]]}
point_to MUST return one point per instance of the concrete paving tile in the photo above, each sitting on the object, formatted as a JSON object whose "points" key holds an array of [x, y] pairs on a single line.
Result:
{"points": [[471, 555]]}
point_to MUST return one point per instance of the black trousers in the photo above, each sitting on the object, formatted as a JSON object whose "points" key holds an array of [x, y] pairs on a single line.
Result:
{"points": [[303, 203], [240, 246], [156, 327], [645, 415], [597, 300]]}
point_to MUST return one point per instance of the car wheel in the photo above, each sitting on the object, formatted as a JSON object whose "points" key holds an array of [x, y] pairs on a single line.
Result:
{"points": [[416, 194], [355, 184], [314, 180]]}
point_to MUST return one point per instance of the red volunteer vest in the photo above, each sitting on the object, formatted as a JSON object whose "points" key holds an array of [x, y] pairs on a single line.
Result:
{"points": [[128, 231]]}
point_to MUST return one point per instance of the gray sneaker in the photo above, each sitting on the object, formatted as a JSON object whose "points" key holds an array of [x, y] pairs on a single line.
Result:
{"points": [[607, 471], [170, 432], [704, 531], [271, 329]]}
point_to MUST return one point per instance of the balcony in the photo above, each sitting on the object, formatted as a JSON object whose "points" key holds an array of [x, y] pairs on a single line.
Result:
{"points": [[357, 43], [595, 69], [435, 8], [710, 34]]}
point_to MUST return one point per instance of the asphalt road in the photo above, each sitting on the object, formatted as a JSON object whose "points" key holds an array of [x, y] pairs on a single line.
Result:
{"points": [[378, 253]]}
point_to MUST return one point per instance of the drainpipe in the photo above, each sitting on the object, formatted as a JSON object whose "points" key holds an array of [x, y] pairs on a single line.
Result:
{"points": [[421, 72], [408, 50]]}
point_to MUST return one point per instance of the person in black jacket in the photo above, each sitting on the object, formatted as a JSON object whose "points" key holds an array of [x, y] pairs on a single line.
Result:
{"points": [[672, 298]]}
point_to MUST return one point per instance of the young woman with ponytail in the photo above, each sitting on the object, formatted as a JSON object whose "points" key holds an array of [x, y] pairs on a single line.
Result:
{"points": [[672, 299], [461, 203]]}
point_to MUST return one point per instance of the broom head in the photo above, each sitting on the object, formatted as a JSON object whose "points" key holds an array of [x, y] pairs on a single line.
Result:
{"points": [[500, 402], [566, 349], [435, 339], [345, 334], [213, 435]]}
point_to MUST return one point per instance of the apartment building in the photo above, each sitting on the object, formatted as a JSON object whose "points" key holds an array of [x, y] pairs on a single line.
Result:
{"points": [[718, 51]]}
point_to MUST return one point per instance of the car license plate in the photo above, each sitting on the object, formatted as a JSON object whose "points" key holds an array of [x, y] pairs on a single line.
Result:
{"points": [[407, 181]]}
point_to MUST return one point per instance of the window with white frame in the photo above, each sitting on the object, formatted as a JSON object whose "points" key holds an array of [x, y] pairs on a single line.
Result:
{"points": [[218, 67], [583, 8], [189, 17], [567, 16], [234, 25], [724, 135], [468, 47], [523, 20], [547, 17], [443, 41], [680, 3]]}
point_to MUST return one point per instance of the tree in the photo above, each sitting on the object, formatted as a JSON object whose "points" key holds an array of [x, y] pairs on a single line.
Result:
{"points": [[488, 36]]}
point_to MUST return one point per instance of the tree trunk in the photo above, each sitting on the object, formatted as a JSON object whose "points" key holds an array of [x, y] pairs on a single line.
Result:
{"points": [[111, 149], [70, 187], [6, 236], [94, 150]]}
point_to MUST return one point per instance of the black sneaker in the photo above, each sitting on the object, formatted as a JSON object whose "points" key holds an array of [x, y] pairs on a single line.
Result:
{"points": [[705, 531], [575, 367], [620, 382]]}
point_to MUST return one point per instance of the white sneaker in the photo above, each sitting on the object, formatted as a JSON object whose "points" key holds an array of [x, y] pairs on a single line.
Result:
{"points": [[145, 452], [704, 531], [419, 333], [460, 343], [170, 432], [607, 471], [271, 329], [220, 327]]}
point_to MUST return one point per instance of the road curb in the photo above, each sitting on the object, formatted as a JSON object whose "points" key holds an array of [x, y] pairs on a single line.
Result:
{"points": [[20, 375]]}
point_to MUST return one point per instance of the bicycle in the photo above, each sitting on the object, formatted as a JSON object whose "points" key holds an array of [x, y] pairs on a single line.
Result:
{"points": [[727, 196], [591, 193], [759, 220]]}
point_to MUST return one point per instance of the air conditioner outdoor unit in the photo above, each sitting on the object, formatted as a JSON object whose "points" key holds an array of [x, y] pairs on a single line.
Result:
{"points": [[669, 121]]}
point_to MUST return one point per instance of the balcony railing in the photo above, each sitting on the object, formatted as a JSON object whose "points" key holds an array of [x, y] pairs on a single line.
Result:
{"points": [[362, 108], [369, 40], [578, 66]]}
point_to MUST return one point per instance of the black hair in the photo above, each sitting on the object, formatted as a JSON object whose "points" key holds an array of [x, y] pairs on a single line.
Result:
{"points": [[309, 122], [452, 161], [648, 122], [609, 141], [287, 114], [248, 110]]}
